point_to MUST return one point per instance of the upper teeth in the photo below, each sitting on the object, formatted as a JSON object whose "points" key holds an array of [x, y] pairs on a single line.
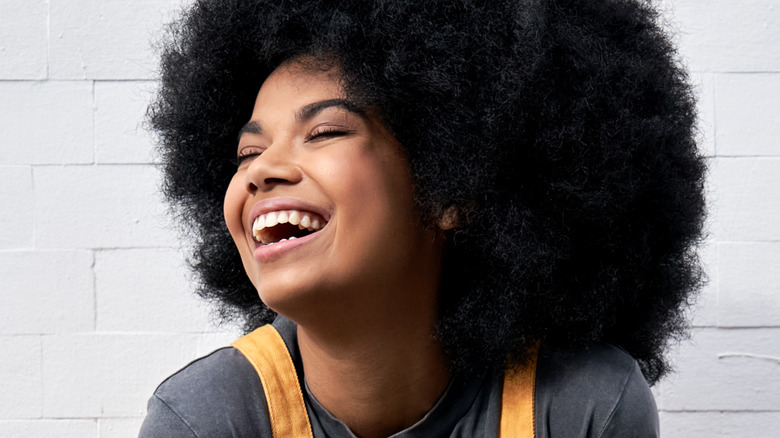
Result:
{"points": [[294, 217]]}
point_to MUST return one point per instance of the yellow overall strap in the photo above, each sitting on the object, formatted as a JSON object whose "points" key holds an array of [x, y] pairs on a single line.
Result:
{"points": [[517, 401], [267, 352]]}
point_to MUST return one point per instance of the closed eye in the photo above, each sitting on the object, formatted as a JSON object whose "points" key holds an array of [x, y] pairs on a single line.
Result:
{"points": [[247, 153], [241, 159], [325, 133]]}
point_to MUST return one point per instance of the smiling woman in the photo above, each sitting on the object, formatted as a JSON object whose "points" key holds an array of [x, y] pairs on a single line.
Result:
{"points": [[452, 220], [310, 157]]}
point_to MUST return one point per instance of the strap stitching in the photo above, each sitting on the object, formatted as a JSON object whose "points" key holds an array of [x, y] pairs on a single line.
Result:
{"points": [[176, 414], [617, 402]]}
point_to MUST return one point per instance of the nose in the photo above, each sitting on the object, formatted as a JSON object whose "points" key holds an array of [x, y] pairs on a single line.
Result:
{"points": [[275, 166]]}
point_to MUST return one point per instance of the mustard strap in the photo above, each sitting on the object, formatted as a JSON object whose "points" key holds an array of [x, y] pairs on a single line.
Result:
{"points": [[517, 401], [267, 352]]}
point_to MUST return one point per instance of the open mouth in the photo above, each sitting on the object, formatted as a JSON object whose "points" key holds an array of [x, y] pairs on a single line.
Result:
{"points": [[279, 226]]}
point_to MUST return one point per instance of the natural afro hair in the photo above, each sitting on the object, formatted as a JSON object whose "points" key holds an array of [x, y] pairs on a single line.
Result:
{"points": [[560, 132]]}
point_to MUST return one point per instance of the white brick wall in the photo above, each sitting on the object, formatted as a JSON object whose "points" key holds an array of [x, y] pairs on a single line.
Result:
{"points": [[728, 374], [96, 309]]}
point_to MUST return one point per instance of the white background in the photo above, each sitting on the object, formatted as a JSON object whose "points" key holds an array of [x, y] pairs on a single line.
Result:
{"points": [[95, 306]]}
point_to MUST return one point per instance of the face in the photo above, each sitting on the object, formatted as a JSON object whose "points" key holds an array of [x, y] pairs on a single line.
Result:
{"points": [[321, 206]]}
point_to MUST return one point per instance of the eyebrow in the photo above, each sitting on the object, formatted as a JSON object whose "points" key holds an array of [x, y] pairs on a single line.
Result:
{"points": [[312, 109], [250, 128], [306, 112]]}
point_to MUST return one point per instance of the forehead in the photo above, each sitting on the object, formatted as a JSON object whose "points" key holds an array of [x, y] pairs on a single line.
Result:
{"points": [[294, 84]]}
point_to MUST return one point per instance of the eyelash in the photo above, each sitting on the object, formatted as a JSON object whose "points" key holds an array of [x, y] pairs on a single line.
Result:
{"points": [[327, 131], [321, 133], [247, 154]]}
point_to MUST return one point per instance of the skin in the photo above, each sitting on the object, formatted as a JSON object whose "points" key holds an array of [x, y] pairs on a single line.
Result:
{"points": [[364, 289]]}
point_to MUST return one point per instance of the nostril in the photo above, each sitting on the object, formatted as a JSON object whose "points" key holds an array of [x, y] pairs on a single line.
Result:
{"points": [[268, 171], [274, 181]]}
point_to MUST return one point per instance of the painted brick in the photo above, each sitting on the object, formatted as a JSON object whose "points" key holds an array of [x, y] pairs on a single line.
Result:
{"points": [[209, 342], [725, 376], [46, 292], [749, 284], [106, 39], [724, 370], [20, 387], [23, 39], [745, 204], [746, 111], [719, 424], [102, 375], [46, 123], [106, 206], [16, 207], [119, 113], [120, 427], [49, 428], [724, 35], [146, 290]]}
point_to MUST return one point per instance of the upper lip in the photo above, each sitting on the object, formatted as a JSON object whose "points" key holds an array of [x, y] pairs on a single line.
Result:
{"points": [[277, 204]]}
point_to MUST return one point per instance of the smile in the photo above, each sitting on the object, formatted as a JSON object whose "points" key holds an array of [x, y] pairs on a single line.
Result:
{"points": [[283, 225]]}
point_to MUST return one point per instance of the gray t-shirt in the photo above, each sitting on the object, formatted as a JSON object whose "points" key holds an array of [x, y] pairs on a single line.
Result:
{"points": [[598, 392]]}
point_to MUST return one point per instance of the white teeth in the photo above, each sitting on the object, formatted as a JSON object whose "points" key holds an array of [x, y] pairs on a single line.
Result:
{"points": [[295, 217], [272, 243], [303, 220], [270, 220], [257, 227]]}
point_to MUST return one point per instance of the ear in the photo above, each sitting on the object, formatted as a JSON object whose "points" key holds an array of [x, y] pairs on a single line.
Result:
{"points": [[450, 219]]}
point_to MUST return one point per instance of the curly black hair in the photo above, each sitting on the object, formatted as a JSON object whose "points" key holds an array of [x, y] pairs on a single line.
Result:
{"points": [[561, 132]]}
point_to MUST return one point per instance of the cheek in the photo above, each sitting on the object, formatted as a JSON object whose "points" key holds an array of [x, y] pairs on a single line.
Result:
{"points": [[233, 209], [368, 175], [377, 200]]}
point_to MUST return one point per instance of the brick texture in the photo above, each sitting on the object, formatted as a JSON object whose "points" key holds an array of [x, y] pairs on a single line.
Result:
{"points": [[46, 122], [21, 359], [746, 114], [724, 35], [105, 39], [16, 214], [24, 39], [97, 308], [720, 424], [64, 428], [749, 270], [148, 282], [47, 292], [119, 112], [91, 375], [99, 207], [745, 199]]}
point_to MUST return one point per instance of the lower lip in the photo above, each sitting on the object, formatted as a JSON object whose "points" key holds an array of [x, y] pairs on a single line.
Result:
{"points": [[270, 252]]}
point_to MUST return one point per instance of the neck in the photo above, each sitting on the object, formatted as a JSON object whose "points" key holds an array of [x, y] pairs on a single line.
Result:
{"points": [[378, 377]]}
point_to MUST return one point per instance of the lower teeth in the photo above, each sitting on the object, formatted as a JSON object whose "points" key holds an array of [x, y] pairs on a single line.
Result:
{"points": [[291, 238]]}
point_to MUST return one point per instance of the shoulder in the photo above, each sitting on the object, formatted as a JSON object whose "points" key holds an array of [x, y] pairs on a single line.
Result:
{"points": [[217, 395], [593, 392]]}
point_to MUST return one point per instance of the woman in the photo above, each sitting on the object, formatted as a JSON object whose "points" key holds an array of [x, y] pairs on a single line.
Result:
{"points": [[439, 206]]}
